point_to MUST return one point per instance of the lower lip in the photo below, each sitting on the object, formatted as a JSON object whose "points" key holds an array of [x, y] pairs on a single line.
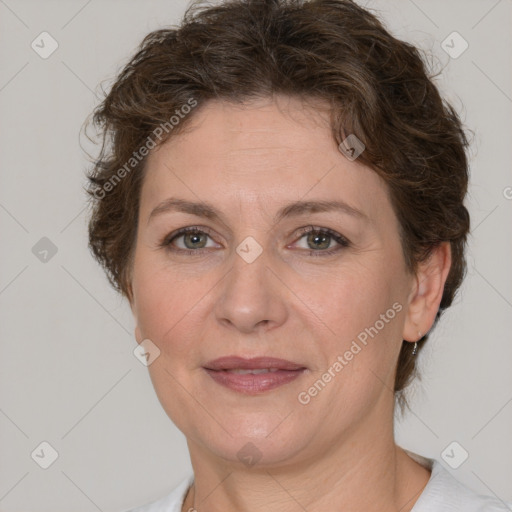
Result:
{"points": [[254, 383]]}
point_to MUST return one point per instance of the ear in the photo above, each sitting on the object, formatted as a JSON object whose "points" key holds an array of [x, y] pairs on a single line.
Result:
{"points": [[427, 292]]}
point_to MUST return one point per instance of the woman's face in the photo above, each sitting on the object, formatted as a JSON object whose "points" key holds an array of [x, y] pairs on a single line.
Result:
{"points": [[250, 283]]}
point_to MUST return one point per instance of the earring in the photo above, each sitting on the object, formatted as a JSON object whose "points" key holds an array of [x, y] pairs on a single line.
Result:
{"points": [[415, 348]]}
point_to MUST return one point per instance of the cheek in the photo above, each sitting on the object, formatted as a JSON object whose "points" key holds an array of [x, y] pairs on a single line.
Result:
{"points": [[360, 313], [351, 297], [151, 300], [167, 303], [362, 316]]}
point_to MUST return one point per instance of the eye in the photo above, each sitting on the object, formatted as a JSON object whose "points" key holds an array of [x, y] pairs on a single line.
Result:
{"points": [[194, 240], [320, 240]]}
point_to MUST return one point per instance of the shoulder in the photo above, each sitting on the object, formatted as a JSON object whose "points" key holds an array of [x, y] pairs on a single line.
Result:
{"points": [[444, 493], [171, 502]]}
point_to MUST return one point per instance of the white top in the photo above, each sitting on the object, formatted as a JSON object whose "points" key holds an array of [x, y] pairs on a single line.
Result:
{"points": [[443, 493]]}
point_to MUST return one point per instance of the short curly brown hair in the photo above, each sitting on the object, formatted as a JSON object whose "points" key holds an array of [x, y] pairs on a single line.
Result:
{"points": [[377, 86]]}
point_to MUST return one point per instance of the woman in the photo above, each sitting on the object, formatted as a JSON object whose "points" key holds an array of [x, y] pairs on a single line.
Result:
{"points": [[282, 206]]}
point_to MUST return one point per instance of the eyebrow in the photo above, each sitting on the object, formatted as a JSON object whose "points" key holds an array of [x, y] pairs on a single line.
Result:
{"points": [[204, 209]]}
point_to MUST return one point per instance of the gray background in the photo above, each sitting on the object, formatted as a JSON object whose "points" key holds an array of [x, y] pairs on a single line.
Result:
{"points": [[68, 373]]}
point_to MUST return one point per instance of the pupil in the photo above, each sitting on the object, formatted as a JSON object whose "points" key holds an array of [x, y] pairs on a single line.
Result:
{"points": [[317, 237], [194, 237]]}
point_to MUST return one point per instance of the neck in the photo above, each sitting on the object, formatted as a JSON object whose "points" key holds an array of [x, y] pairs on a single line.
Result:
{"points": [[365, 470]]}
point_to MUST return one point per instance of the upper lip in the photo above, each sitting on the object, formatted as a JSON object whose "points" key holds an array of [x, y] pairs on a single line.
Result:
{"points": [[255, 363]]}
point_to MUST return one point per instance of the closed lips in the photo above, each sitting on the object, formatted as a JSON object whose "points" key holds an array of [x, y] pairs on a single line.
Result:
{"points": [[252, 376]]}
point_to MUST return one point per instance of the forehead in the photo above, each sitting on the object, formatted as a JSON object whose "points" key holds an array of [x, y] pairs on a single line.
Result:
{"points": [[271, 151]]}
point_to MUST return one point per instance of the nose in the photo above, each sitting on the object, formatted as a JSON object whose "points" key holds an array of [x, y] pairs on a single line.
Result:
{"points": [[251, 298]]}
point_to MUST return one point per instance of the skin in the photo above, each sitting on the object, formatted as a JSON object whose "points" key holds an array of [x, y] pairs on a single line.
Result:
{"points": [[338, 451]]}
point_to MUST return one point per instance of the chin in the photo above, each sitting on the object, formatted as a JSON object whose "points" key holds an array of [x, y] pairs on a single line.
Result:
{"points": [[255, 440]]}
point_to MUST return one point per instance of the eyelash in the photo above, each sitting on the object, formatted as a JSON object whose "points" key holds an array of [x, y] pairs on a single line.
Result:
{"points": [[341, 240]]}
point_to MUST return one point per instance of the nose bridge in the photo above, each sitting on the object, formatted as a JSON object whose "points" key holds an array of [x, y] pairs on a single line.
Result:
{"points": [[250, 296]]}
